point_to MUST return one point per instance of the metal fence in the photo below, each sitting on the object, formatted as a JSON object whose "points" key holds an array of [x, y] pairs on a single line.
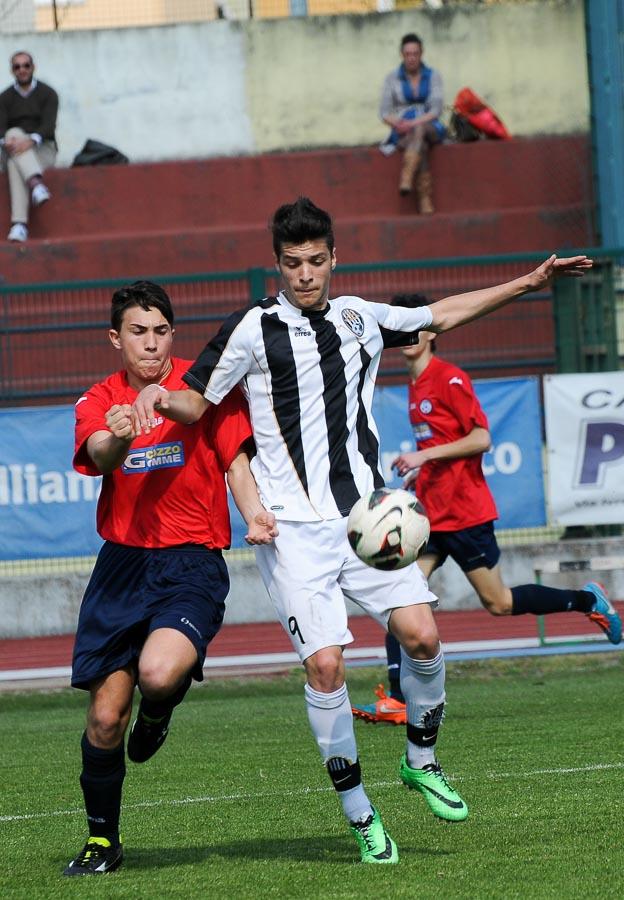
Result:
{"points": [[54, 344], [53, 341]]}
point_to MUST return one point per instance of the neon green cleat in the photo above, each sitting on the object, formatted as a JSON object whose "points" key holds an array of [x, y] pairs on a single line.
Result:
{"points": [[443, 800], [96, 857], [376, 845]]}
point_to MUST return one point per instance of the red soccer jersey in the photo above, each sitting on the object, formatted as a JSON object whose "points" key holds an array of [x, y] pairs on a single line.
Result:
{"points": [[171, 488], [443, 407]]}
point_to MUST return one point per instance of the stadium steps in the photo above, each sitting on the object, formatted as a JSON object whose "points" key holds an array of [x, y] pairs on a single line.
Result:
{"points": [[211, 215]]}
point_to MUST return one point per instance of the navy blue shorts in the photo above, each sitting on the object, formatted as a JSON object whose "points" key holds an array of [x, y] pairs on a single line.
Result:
{"points": [[133, 591], [471, 548]]}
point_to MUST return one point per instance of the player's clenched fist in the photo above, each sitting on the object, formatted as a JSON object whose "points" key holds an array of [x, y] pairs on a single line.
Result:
{"points": [[119, 422], [152, 397]]}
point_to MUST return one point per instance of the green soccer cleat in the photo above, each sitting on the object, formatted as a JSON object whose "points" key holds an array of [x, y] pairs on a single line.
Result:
{"points": [[96, 857], [376, 845], [443, 800]]}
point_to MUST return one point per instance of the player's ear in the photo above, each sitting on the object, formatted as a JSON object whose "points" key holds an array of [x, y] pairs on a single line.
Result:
{"points": [[333, 262], [114, 339], [277, 263]]}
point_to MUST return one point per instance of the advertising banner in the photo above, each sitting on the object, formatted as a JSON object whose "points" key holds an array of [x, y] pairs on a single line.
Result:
{"points": [[585, 441], [512, 467], [48, 510]]}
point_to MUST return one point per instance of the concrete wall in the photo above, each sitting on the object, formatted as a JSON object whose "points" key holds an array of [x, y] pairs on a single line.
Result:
{"points": [[231, 88], [33, 605]]}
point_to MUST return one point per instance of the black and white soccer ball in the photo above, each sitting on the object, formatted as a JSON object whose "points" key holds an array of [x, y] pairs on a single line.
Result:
{"points": [[388, 528]]}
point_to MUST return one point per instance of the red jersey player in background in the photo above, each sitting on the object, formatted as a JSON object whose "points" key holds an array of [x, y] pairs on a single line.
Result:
{"points": [[156, 597], [451, 434]]}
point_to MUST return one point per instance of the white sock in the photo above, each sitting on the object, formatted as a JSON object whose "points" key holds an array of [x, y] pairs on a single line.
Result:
{"points": [[331, 721], [422, 683]]}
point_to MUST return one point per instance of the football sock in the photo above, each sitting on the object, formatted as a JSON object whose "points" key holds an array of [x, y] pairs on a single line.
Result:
{"points": [[154, 710], [393, 652], [422, 681], [331, 721], [541, 600], [101, 780]]}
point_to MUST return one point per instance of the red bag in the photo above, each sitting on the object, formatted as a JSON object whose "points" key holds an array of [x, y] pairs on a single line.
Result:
{"points": [[480, 115]]}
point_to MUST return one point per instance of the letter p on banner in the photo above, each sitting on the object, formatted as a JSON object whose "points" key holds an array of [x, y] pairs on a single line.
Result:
{"points": [[602, 447]]}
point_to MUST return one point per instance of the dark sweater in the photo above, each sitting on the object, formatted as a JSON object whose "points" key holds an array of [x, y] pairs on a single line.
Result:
{"points": [[35, 113]]}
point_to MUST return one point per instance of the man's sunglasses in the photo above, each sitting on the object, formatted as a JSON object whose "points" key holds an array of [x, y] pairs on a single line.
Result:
{"points": [[18, 66]]}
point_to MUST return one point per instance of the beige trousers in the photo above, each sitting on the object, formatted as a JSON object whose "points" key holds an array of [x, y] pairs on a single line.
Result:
{"points": [[20, 168]]}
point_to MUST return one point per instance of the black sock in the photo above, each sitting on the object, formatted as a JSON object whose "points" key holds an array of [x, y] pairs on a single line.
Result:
{"points": [[344, 774], [541, 600], [101, 780], [158, 709], [393, 652]]}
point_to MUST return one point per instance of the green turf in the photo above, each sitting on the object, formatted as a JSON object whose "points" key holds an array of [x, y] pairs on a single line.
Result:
{"points": [[236, 804]]}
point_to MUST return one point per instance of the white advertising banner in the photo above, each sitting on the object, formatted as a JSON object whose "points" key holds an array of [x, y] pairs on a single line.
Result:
{"points": [[585, 443]]}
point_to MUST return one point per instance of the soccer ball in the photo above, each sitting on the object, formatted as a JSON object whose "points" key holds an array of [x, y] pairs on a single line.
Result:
{"points": [[388, 528]]}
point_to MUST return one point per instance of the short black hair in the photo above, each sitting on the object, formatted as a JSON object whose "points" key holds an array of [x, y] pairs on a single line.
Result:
{"points": [[146, 294], [411, 38], [295, 223], [412, 301], [22, 53]]}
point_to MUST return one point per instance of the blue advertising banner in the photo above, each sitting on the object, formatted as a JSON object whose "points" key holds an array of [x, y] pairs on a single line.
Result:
{"points": [[48, 510], [513, 466]]}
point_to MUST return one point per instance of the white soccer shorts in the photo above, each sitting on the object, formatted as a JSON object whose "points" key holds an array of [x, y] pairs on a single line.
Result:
{"points": [[309, 570]]}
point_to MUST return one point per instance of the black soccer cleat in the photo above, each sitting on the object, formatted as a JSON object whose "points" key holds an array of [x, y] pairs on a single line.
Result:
{"points": [[96, 857], [147, 736]]}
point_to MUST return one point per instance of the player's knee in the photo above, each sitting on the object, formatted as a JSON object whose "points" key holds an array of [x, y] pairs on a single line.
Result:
{"points": [[158, 680], [325, 670], [497, 604], [106, 726], [423, 643]]}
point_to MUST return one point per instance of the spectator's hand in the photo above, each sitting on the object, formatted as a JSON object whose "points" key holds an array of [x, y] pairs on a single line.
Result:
{"points": [[15, 146], [408, 461], [404, 126], [573, 266], [119, 422], [262, 530], [144, 408]]}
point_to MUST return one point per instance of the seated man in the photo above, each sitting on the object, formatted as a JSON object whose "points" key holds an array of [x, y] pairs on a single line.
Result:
{"points": [[28, 110]]}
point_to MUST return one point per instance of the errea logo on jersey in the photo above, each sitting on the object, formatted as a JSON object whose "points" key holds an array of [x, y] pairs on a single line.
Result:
{"points": [[160, 456], [354, 321], [302, 331]]}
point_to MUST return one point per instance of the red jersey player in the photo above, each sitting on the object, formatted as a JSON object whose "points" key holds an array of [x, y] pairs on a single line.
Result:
{"points": [[451, 434], [156, 597]]}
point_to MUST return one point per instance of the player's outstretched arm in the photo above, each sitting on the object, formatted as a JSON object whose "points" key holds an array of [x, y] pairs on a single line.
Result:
{"points": [[181, 406], [461, 308], [260, 522]]}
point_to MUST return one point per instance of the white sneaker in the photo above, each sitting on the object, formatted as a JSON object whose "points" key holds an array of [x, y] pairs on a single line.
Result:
{"points": [[18, 232], [40, 194]]}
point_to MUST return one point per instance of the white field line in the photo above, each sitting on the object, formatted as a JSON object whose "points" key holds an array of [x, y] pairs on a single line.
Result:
{"points": [[302, 792]]}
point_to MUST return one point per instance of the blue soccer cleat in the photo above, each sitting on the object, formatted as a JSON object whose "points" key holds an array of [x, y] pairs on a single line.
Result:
{"points": [[603, 612]]}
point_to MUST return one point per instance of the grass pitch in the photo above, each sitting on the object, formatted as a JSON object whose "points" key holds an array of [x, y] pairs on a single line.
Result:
{"points": [[237, 805]]}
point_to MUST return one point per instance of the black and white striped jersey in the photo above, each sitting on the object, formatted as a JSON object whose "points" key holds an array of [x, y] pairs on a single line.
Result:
{"points": [[309, 380]]}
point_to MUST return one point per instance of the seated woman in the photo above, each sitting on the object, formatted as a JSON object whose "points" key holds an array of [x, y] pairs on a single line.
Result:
{"points": [[411, 104]]}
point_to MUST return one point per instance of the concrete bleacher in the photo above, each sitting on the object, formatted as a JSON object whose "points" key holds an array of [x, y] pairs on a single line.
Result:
{"points": [[211, 215]]}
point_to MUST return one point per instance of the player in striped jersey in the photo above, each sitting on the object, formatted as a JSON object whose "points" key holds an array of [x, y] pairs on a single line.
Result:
{"points": [[307, 365]]}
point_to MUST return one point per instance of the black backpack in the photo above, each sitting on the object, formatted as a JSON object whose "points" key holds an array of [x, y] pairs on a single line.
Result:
{"points": [[461, 130], [94, 153]]}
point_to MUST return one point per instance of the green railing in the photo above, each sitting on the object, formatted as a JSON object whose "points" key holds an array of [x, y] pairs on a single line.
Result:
{"points": [[53, 341]]}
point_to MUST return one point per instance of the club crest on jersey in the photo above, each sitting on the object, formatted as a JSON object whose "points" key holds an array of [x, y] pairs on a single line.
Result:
{"points": [[354, 321], [148, 459], [425, 406]]}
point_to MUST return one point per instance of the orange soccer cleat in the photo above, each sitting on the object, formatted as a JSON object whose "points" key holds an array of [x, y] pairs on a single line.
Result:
{"points": [[386, 709]]}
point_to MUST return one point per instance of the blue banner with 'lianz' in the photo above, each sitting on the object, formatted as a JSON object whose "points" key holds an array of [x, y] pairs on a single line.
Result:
{"points": [[48, 510]]}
